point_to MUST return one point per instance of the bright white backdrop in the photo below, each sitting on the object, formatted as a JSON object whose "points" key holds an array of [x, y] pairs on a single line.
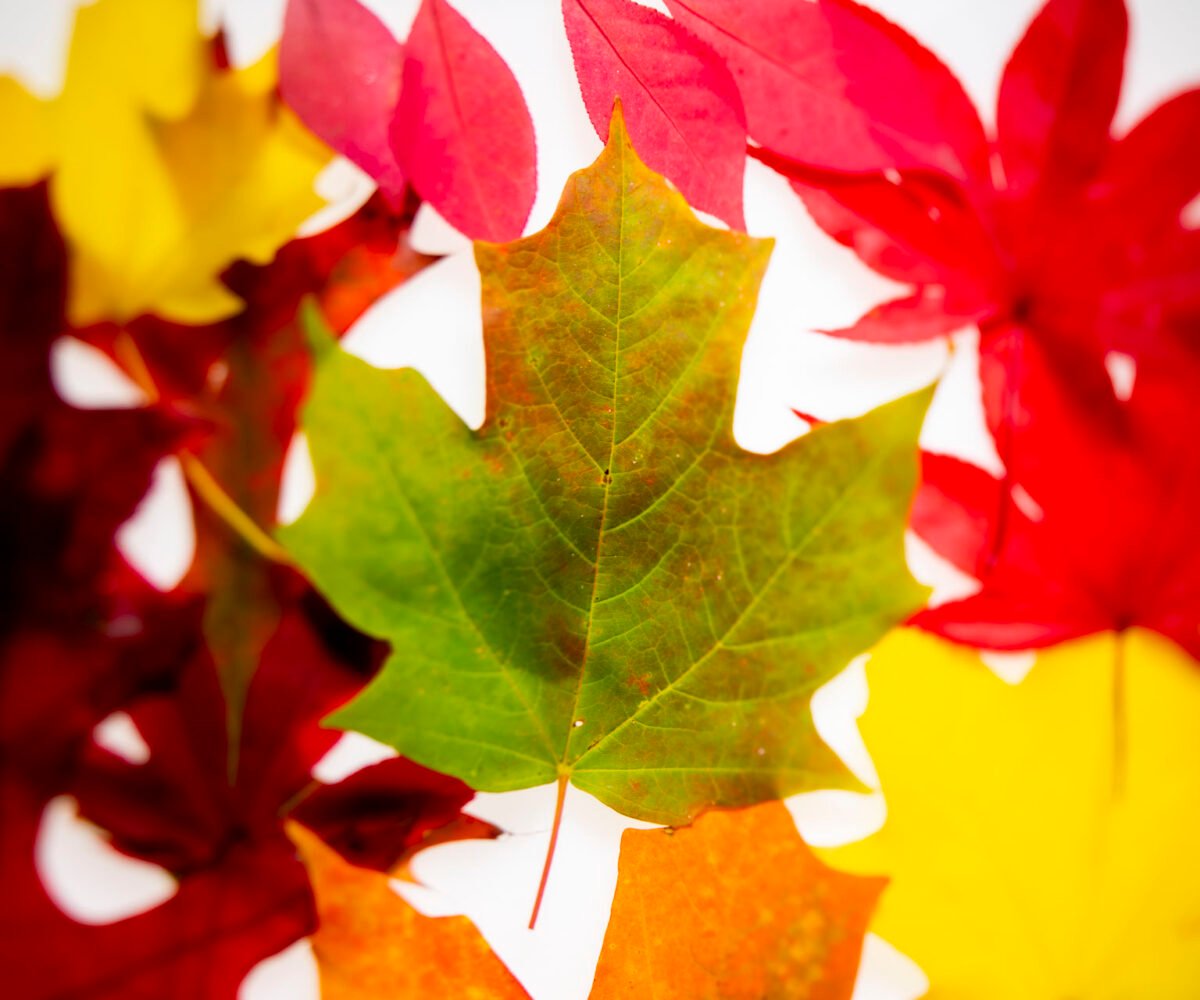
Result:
{"points": [[433, 323]]}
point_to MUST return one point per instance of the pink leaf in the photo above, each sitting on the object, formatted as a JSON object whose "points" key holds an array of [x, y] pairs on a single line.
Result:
{"points": [[462, 131], [1058, 95], [837, 86], [681, 103], [339, 68]]}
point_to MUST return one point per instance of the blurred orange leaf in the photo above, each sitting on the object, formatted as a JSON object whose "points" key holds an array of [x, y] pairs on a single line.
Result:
{"points": [[370, 943]]}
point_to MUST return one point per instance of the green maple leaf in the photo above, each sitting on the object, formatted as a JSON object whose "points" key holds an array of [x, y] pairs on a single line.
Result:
{"points": [[599, 585]]}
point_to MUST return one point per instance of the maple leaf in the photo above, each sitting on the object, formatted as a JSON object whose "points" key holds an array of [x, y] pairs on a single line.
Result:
{"points": [[166, 168], [211, 812], [1060, 240], [680, 101], [1060, 551], [821, 83], [340, 70], [371, 943], [599, 585], [699, 915], [1047, 823]]}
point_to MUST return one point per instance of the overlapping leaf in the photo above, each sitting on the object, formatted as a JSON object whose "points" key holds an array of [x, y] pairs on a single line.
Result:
{"points": [[734, 907], [166, 168], [1089, 530], [340, 69], [821, 83], [372, 944], [600, 584], [680, 101], [1048, 823], [1058, 240], [442, 111]]}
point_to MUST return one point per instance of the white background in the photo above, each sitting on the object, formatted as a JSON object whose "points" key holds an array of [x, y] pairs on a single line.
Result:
{"points": [[433, 323]]}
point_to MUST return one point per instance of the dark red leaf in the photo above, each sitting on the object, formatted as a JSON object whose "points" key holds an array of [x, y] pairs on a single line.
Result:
{"points": [[377, 815]]}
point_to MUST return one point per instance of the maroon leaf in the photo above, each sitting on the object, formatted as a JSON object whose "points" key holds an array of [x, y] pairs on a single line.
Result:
{"points": [[377, 815]]}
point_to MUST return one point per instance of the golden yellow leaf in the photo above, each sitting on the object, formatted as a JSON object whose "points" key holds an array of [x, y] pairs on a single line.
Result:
{"points": [[27, 152], [166, 168], [370, 944], [1040, 837], [735, 907]]}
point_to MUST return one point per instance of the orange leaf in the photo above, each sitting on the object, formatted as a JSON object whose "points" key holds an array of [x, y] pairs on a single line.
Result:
{"points": [[370, 943], [733, 906]]}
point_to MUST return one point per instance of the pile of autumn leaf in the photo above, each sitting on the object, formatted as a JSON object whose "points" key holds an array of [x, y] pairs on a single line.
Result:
{"points": [[598, 586]]}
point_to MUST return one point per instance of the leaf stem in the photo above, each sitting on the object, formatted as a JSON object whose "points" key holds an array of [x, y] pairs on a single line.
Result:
{"points": [[223, 505], [201, 480], [554, 828], [1120, 725]]}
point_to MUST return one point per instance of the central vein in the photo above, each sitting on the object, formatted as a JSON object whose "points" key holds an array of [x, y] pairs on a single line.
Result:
{"points": [[607, 475]]}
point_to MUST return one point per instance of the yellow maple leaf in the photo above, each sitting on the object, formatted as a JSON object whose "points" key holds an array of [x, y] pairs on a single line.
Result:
{"points": [[166, 169], [371, 944], [1041, 836]]}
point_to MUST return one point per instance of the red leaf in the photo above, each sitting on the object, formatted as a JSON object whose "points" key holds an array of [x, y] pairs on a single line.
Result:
{"points": [[1146, 168], [377, 815], [1058, 95], [462, 132], [1091, 530], [209, 805], [909, 320], [340, 69], [680, 102], [954, 510], [202, 941], [836, 86]]}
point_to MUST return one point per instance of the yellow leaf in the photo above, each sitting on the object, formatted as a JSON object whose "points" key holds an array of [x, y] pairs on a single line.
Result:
{"points": [[1040, 837], [27, 152], [166, 168], [734, 907], [370, 944]]}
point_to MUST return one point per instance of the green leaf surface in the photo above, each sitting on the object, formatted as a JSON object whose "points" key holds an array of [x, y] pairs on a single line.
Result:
{"points": [[599, 583]]}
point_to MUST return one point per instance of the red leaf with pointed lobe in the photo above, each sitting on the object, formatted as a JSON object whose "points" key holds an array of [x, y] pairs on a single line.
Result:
{"points": [[1086, 250], [836, 86], [202, 941], [462, 132], [955, 509], [377, 815], [1058, 95], [1092, 528], [214, 820], [680, 102], [915, 228], [340, 70], [1146, 167]]}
